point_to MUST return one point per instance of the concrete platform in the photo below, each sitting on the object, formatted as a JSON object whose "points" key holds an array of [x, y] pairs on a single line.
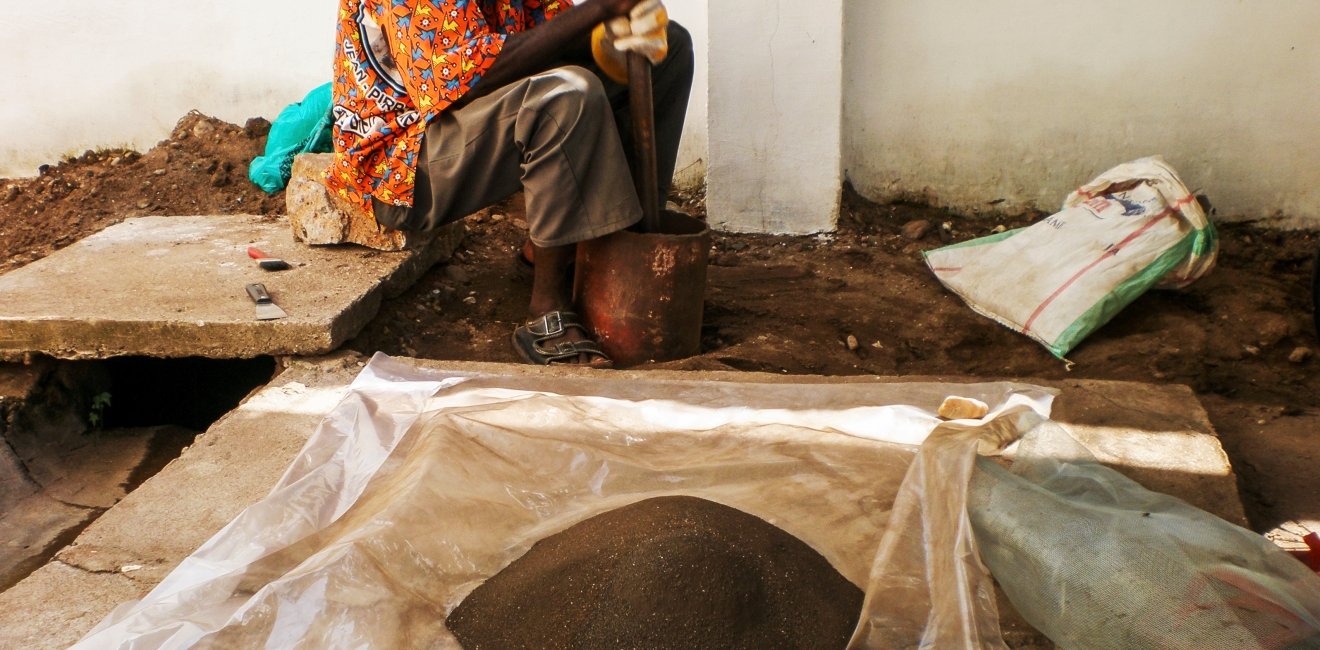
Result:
{"points": [[174, 287], [1158, 434]]}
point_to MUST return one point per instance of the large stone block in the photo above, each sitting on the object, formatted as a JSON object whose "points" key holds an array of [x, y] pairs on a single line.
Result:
{"points": [[319, 217]]}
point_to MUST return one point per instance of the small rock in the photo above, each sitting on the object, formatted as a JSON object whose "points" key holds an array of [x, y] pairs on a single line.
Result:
{"points": [[852, 343], [1301, 355], [916, 229], [142, 205], [963, 408], [1272, 328], [998, 229], [256, 127], [520, 223], [11, 193], [496, 218], [201, 128], [159, 172], [470, 300], [1252, 350]]}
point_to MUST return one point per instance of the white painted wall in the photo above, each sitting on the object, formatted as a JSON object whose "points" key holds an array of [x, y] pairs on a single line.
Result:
{"points": [[81, 74], [774, 115], [693, 151], [964, 103]]}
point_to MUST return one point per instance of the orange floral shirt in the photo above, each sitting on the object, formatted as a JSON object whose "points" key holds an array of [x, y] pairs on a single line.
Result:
{"points": [[398, 64]]}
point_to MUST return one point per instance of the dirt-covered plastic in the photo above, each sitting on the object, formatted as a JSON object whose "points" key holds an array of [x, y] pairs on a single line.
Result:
{"points": [[1096, 561]]}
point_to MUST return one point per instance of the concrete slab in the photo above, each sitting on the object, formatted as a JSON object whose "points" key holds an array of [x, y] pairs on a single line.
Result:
{"points": [[69, 489], [174, 287], [237, 461], [50, 620]]}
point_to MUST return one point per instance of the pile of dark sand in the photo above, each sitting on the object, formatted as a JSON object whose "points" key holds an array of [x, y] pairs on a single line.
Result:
{"points": [[671, 572]]}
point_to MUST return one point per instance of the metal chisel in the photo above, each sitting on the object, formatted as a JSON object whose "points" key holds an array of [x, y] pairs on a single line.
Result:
{"points": [[266, 308]]}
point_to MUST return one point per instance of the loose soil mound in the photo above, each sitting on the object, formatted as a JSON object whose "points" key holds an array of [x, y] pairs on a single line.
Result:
{"points": [[671, 572], [200, 169]]}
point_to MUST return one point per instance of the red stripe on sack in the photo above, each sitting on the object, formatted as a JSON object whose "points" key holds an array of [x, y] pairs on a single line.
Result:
{"points": [[1106, 255]]}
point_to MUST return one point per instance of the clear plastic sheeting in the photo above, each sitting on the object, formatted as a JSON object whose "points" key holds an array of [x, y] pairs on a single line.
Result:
{"points": [[421, 484], [928, 587], [1095, 561]]}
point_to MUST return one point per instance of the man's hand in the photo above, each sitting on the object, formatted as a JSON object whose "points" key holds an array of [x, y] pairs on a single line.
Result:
{"points": [[617, 8], [643, 30]]}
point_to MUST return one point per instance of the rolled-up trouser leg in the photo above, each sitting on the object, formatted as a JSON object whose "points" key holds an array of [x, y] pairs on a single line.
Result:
{"points": [[552, 135]]}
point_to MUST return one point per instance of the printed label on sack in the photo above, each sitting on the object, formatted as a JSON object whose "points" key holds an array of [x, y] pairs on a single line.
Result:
{"points": [[1137, 202]]}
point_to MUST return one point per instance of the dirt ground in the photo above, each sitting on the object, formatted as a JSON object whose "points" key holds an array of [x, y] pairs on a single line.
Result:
{"points": [[859, 301]]}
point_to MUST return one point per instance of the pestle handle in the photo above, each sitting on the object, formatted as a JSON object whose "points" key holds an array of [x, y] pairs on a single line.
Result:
{"points": [[645, 174]]}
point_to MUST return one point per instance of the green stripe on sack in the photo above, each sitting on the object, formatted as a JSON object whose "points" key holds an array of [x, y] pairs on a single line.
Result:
{"points": [[980, 241], [1107, 307]]}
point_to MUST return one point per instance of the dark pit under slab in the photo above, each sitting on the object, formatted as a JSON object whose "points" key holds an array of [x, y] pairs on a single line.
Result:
{"points": [[76, 437]]}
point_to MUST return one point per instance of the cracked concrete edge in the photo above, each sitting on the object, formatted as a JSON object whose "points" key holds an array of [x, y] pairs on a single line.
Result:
{"points": [[31, 618], [226, 469], [361, 312]]}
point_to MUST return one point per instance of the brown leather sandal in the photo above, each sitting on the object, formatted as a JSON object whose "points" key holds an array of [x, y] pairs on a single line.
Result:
{"points": [[530, 338]]}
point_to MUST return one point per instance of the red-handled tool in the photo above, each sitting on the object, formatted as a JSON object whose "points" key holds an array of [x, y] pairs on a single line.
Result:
{"points": [[265, 260]]}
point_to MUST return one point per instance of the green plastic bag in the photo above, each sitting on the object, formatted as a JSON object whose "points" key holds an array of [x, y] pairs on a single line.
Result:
{"points": [[303, 127]]}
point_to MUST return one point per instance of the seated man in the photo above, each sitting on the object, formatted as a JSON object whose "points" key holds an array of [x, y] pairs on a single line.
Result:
{"points": [[443, 107]]}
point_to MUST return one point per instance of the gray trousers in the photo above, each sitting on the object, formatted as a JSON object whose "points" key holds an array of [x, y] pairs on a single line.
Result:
{"points": [[564, 137]]}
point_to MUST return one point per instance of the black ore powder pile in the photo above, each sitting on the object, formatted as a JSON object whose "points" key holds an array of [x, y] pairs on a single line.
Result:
{"points": [[670, 572]]}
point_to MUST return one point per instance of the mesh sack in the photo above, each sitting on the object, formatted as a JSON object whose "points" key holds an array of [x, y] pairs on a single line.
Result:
{"points": [[1094, 560]]}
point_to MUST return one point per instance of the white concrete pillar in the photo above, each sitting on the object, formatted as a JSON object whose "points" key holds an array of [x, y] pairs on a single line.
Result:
{"points": [[775, 107]]}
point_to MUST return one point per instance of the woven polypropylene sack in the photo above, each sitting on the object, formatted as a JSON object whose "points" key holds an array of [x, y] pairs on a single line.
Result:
{"points": [[1133, 228]]}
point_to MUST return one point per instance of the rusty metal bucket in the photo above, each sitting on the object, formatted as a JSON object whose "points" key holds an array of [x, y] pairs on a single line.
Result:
{"points": [[641, 294]]}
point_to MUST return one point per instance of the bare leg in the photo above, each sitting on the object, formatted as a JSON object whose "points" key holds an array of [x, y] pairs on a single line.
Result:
{"points": [[552, 289]]}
